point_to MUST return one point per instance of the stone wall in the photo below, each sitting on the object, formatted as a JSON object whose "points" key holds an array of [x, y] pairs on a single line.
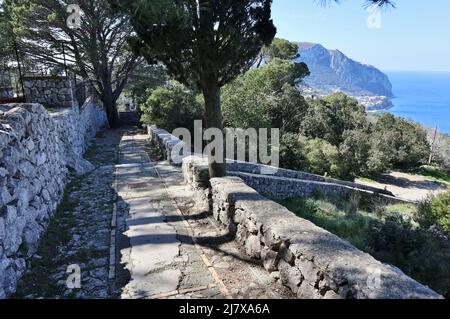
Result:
{"points": [[76, 128], [166, 143], [6, 91], [282, 188], [312, 262], [36, 149], [49, 91], [257, 174], [195, 170]]}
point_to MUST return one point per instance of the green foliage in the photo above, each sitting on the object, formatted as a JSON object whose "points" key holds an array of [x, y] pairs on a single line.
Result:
{"points": [[362, 147], [433, 173], [281, 49], [142, 80], [205, 44], [187, 42], [420, 254], [329, 117], [322, 157], [265, 97], [291, 153], [97, 51], [441, 152], [6, 37], [326, 214], [435, 210], [385, 232], [397, 142], [354, 153], [172, 106], [332, 135]]}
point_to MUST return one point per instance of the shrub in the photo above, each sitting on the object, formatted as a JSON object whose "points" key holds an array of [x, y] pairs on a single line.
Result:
{"points": [[397, 142], [435, 211], [314, 155], [414, 250], [328, 118], [388, 233], [265, 97], [291, 152], [171, 107]]}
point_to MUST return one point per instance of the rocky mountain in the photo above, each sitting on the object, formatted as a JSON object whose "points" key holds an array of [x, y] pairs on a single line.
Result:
{"points": [[333, 71]]}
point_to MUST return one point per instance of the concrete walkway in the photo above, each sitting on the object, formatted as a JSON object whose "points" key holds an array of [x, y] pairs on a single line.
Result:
{"points": [[161, 258], [172, 248]]}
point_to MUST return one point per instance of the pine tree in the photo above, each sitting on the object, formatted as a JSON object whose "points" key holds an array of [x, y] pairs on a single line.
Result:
{"points": [[204, 43]]}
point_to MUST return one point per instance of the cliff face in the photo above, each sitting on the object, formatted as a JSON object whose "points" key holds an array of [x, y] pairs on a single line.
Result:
{"points": [[332, 71]]}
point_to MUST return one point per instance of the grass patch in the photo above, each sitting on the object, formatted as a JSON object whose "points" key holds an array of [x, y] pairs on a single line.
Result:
{"points": [[409, 210], [348, 225], [433, 174]]}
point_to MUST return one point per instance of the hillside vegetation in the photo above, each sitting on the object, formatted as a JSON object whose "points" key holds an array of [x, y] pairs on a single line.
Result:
{"points": [[414, 239], [331, 136]]}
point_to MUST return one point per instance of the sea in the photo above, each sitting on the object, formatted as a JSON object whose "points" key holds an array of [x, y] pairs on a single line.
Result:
{"points": [[423, 97]]}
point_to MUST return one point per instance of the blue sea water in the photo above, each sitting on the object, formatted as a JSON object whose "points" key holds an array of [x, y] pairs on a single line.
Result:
{"points": [[423, 97]]}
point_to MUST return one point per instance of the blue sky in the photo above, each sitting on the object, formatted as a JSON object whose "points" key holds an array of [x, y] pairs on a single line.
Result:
{"points": [[415, 36]]}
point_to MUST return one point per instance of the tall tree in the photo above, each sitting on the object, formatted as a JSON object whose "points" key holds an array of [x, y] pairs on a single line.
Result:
{"points": [[279, 48], [97, 51], [6, 40], [206, 43]]}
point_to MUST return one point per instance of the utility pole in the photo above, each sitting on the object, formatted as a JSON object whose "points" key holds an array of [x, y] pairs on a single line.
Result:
{"points": [[432, 145]]}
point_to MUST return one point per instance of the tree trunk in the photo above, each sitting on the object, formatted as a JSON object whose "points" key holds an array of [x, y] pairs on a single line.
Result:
{"points": [[110, 105], [213, 115]]}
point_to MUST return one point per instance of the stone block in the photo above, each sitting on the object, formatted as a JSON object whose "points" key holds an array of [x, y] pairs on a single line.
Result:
{"points": [[308, 269], [270, 259], [286, 254], [2, 230], [307, 291], [241, 234], [253, 246], [290, 276]]}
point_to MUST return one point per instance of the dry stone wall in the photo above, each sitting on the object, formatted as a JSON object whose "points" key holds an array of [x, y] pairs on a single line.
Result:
{"points": [[196, 169], [6, 91], [36, 149], [49, 91], [283, 188], [312, 262]]}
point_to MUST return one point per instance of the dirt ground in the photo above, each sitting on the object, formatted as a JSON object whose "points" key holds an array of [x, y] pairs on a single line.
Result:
{"points": [[406, 186]]}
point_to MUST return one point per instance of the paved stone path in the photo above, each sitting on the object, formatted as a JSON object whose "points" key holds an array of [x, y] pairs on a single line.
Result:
{"points": [[133, 229], [161, 258], [175, 250]]}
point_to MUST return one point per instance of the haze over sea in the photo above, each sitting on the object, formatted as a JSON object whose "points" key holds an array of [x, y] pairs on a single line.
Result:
{"points": [[423, 97]]}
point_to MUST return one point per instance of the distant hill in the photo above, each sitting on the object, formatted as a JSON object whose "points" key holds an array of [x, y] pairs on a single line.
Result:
{"points": [[333, 71]]}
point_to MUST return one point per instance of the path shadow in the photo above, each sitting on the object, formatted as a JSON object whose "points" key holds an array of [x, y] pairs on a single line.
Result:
{"points": [[407, 183]]}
